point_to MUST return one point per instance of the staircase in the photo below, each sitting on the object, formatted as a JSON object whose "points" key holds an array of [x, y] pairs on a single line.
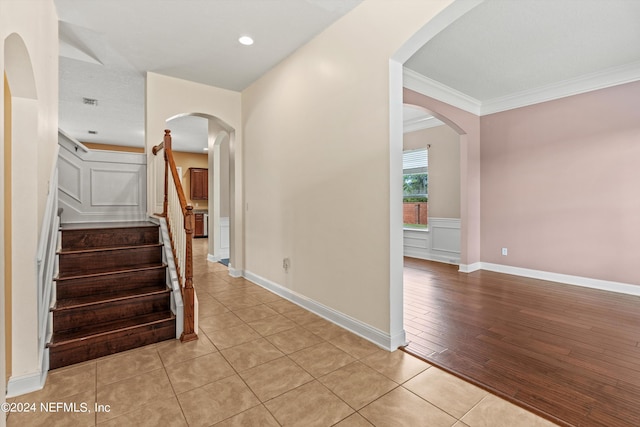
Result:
{"points": [[111, 292]]}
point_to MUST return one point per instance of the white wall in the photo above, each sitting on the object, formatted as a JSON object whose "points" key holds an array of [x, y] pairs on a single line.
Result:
{"points": [[316, 135], [35, 117]]}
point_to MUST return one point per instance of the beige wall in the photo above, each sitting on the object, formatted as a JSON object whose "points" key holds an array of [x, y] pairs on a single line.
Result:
{"points": [[29, 56], [444, 168], [560, 185], [186, 161], [316, 134]]}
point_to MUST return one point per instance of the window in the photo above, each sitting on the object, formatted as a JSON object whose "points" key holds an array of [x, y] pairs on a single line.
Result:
{"points": [[415, 183]]}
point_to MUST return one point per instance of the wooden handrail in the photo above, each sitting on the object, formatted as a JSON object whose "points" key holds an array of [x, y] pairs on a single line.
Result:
{"points": [[188, 293], [157, 148]]}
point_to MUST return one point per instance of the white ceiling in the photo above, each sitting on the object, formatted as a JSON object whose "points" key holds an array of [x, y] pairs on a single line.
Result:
{"points": [[509, 49], [106, 46], [501, 49]]}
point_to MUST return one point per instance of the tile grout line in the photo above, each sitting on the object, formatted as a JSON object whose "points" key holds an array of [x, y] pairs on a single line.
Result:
{"points": [[175, 395]]}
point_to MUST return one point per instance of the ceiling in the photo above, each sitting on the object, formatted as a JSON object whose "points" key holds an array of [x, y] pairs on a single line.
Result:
{"points": [[106, 46], [505, 54], [499, 55]]}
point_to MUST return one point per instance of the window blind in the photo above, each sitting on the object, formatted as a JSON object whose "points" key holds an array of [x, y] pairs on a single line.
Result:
{"points": [[415, 161]]}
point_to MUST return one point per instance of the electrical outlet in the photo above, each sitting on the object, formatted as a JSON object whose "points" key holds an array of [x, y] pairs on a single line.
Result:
{"points": [[504, 251], [286, 263]]}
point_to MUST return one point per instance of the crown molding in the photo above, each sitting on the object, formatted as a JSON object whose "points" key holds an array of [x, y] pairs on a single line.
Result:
{"points": [[600, 80], [426, 86], [589, 82], [420, 123]]}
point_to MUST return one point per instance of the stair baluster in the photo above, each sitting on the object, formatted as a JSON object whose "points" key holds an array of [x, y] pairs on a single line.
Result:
{"points": [[180, 221]]}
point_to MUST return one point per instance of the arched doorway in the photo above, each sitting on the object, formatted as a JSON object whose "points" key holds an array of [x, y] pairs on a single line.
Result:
{"points": [[218, 139], [469, 129], [431, 185], [19, 176]]}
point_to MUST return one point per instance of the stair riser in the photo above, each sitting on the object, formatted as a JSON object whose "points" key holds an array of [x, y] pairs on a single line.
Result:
{"points": [[105, 261], [109, 283], [104, 345], [111, 311], [109, 238]]}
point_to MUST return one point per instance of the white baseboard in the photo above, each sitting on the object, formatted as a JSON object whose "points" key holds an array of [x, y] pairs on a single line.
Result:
{"points": [[604, 285], [470, 268], [586, 282], [26, 383], [234, 272], [374, 335], [213, 258]]}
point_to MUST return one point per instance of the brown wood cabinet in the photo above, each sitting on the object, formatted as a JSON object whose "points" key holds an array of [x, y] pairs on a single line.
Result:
{"points": [[199, 182], [199, 225]]}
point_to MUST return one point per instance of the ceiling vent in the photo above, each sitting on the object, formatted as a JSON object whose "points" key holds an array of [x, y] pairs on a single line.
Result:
{"points": [[93, 132], [90, 101]]}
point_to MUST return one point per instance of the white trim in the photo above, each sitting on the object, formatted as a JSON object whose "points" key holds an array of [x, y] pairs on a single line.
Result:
{"points": [[233, 272], [422, 243], [426, 86], [376, 336], [420, 123], [470, 268], [599, 80], [213, 258], [26, 383], [604, 285]]}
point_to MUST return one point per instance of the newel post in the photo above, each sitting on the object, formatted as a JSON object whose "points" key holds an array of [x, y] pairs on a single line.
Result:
{"points": [[167, 171], [189, 333]]}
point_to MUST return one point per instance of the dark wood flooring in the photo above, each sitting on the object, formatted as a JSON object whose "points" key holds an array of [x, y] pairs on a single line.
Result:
{"points": [[568, 353]]}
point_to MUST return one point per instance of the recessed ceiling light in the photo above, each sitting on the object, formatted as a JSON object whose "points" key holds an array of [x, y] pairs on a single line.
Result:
{"points": [[245, 40], [205, 149]]}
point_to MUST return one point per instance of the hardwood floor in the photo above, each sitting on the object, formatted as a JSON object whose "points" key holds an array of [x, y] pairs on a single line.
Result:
{"points": [[568, 353]]}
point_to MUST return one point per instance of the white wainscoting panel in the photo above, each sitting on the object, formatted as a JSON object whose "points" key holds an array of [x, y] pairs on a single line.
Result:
{"points": [[440, 242], [99, 185], [70, 180], [224, 237], [114, 187]]}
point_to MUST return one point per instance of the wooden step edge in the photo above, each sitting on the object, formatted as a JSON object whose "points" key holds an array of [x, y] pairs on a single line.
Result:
{"points": [[109, 249], [107, 273], [171, 317], [110, 299], [91, 226]]}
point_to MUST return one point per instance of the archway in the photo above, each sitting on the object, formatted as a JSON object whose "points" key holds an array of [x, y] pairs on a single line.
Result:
{"points": [[221, 193], [469, 164], [219, 246], [19, 185], [431, 203]]}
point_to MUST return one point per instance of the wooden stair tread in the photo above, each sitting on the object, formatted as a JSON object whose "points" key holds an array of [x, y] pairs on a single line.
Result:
{"points": [[71, 303], [103, 273], [79, 334], [107, 225], [107, 249], [106, 273]]}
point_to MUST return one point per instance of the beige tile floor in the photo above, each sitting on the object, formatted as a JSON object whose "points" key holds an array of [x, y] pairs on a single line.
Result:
{"points": [[263, 361]]}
